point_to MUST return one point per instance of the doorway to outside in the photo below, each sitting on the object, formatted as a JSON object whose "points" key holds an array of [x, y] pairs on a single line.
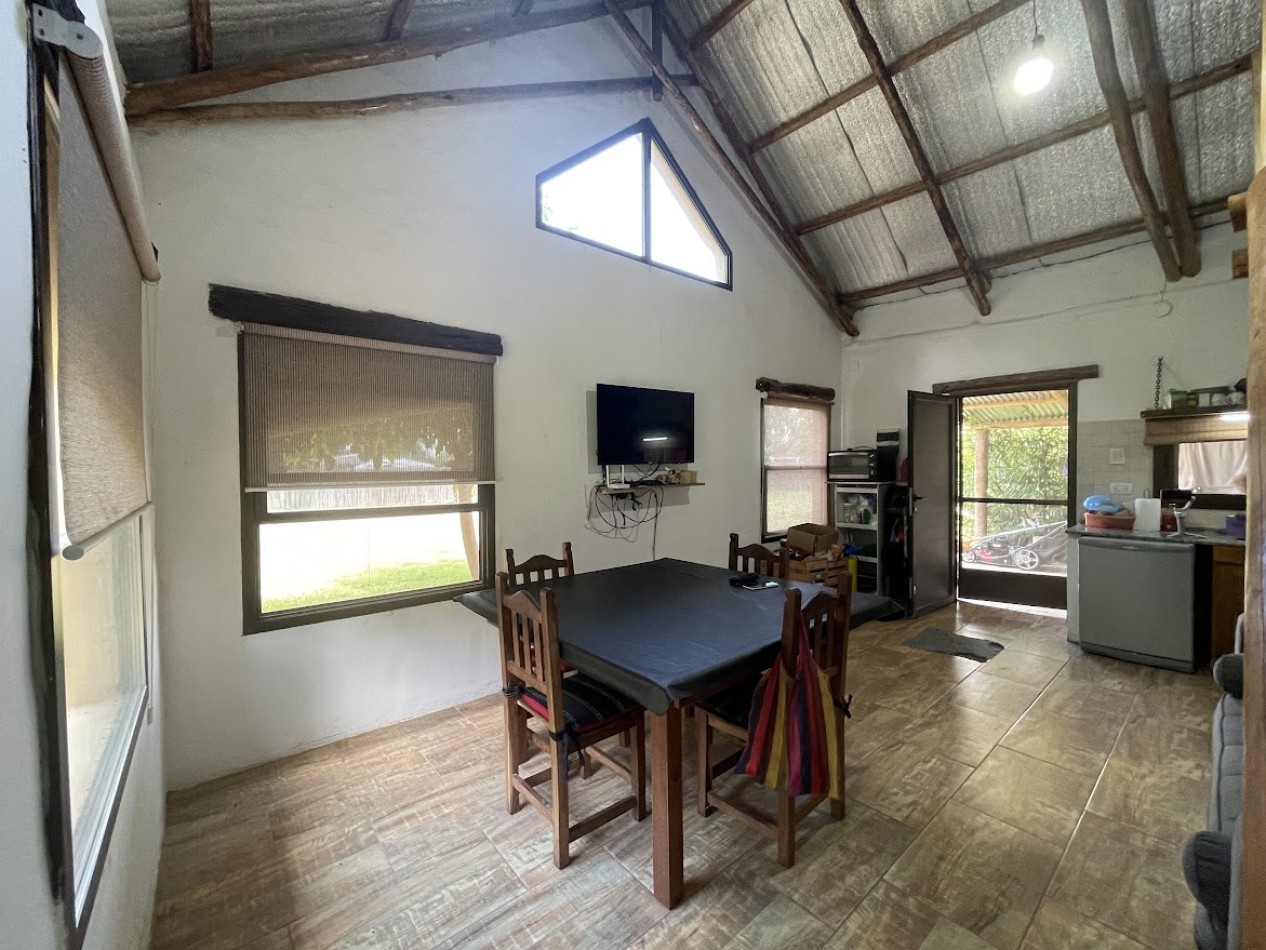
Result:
{"points": [[1016, 455]]}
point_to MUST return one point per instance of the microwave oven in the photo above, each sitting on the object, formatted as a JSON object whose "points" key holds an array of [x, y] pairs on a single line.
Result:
{"points": [[862, 465]]}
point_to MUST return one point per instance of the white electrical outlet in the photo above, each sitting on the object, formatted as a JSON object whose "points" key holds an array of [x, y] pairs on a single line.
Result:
{"points": [[1116, 456], [1121, 488]]}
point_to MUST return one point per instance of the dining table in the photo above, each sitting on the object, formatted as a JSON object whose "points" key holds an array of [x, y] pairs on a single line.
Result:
{"points": [[666, 633]]}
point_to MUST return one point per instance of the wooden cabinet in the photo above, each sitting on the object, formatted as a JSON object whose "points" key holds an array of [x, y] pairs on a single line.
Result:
{"points": [[1227, 599]]}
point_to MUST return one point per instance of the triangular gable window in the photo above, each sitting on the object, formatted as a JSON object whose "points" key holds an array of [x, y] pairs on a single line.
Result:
{"points": [[627, 194]]}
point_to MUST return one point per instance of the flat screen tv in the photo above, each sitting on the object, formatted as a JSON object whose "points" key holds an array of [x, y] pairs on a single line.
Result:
{"points": [[645, 426]]}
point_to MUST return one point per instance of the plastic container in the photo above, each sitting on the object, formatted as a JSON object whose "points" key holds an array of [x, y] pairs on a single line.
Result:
{"points": [[1147, 514]]}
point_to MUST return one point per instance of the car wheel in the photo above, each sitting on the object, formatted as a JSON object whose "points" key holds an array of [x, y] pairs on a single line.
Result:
{"points": [[1025, 559], [968, 556]]}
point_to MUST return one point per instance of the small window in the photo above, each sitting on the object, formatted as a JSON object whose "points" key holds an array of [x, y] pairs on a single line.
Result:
{"points": [[794, 441], [628, 195], [366, 475]]}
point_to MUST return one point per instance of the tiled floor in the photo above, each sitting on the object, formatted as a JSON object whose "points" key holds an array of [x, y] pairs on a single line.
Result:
{"points": [[1036, 801]]}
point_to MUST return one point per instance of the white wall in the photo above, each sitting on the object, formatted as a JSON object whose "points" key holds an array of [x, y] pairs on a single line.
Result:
{"points": [[28, 917], [1113, 309], [431, 215]]}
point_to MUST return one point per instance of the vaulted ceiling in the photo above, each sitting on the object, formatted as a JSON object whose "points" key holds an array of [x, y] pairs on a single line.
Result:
{"points": [[882, 138]]}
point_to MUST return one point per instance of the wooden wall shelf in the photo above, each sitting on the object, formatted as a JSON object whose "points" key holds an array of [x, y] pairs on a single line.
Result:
{"points": [[607, 490]]}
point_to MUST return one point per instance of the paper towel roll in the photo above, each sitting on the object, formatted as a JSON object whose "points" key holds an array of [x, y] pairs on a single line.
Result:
{"points": [[1147, 514]]}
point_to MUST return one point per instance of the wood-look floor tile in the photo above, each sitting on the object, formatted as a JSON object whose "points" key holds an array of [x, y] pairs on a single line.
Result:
{"points": [[956, 732], [981, 873], [1096, 707], [1034, 796], [1054, 645], [890, 919], [1160, 803], [1059, 927], [783, 923], [906, 782], [599, 905], [1184, 698], [1071, 744], [1166, 746], [871, 727], [1106, 672], [840, 863], [1128, 881], [1026, 668], [277, 940], [994, 695]]}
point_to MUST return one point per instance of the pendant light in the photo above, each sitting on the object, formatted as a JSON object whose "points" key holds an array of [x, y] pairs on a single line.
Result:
{"points": [[1034, 73]]}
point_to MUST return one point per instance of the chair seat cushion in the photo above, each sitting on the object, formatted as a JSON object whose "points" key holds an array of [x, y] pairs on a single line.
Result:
{"points": [[733, 704], [587, 704]]}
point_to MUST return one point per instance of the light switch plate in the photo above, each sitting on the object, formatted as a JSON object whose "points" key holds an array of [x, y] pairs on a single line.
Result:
{"points": [[1116, 456], [1121, 488]]}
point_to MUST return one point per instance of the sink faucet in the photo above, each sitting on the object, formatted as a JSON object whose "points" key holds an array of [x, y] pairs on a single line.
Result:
{"points": [[1180, 516]]}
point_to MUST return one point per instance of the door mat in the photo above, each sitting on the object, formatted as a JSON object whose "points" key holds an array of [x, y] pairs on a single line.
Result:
{"points": [[935, 640]]}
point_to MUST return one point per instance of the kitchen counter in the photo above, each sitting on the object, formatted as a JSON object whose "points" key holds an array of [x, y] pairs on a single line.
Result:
{"points": [[1211, 536]]}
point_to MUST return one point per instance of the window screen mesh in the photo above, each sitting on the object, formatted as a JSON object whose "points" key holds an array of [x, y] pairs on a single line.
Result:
{"points": [[100, 409], [326, 410]]}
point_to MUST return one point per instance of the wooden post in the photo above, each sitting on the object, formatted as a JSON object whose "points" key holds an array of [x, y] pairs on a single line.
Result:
{"points": [[657, 46], [1099, 28], [713, 26], [667, 844], [977, 284], [200, 28], [1151, 70], [778, 225], [400, 11]]}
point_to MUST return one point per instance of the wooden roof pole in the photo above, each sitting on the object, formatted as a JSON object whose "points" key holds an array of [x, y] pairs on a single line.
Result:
{"points": [[400, 11], [1081, 127], [200, 28], [730, 128], [1151, 70], [182, 90], [900, 64], [713, 26], [1032, 252], [977, 284], [838, 312], [1100, 29]]}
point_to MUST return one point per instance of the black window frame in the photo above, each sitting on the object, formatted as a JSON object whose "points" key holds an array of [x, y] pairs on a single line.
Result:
{"points": [[650, 134], [766, 535]]}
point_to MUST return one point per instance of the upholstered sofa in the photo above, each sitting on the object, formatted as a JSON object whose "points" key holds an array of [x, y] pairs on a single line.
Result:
{"points": [[1211, 859]]}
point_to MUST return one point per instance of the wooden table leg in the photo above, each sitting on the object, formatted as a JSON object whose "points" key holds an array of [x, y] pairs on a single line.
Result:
{"points": [[666, 806]]}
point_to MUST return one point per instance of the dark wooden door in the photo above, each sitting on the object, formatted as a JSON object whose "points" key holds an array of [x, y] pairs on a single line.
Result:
{"points": [[931, 430]]}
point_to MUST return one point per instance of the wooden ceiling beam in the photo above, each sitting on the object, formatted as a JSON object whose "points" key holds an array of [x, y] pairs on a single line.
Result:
{"points": [[839, 313], [1099, 27], [171, 93], [399, 102], [898, 65], [842, 316], [977, 283], [1019, 256], [1089, 124], [1155, 82], [714, 26], [200, 29], [400, 11]]}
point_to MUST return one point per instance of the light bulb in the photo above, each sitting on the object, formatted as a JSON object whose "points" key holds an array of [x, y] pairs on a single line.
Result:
{"points": [[1034, 74]]}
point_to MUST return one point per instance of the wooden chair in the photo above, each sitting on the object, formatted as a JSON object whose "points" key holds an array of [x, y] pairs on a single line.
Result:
{"points": [[758, 559], [827, 618], [578, 712], [540, 567]]}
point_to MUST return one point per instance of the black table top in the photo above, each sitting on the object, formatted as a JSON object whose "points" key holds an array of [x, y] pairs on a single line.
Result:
{"points": [[667, 630]]}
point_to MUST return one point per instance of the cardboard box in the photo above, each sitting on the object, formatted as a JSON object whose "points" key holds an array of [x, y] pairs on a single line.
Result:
{"points": [[811, 538]]}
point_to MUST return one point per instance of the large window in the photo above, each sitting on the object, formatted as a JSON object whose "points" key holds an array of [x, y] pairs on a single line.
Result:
{"points": [[627, 194], [795, 436], [366, 475]]}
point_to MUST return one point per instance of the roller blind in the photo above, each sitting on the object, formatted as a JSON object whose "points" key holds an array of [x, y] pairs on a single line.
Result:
{"points": [[99, 353], [321, 410], [1194, 428]]}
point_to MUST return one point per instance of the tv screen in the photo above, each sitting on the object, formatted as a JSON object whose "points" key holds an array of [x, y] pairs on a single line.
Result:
{"points": [[645, 426]]}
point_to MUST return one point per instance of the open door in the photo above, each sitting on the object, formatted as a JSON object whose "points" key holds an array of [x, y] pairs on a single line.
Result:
{"points": [[932, 426]]}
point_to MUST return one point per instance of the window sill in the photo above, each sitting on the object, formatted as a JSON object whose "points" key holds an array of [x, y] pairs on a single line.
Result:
{"points": [[283, 620]]}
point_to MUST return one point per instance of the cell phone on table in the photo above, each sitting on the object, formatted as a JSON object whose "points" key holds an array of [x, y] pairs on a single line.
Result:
{"points": [[760, 585]]}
